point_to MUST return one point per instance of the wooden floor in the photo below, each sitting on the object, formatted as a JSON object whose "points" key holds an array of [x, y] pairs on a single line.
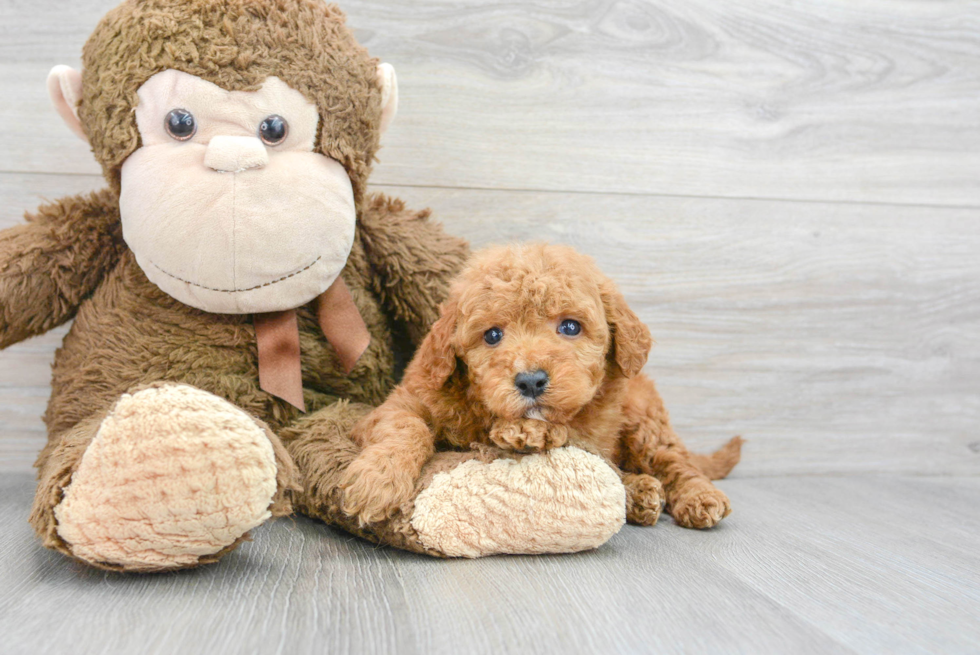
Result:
{"points": [[788, 194], [805, 565]]}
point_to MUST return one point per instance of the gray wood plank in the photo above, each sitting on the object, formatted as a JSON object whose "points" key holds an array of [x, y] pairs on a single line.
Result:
{"points": [[908, 579], [868, 100], [835, 338], [798, 567]]}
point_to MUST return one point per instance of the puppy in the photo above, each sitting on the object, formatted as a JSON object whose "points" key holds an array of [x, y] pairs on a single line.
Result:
{"points": [[535, 349]]}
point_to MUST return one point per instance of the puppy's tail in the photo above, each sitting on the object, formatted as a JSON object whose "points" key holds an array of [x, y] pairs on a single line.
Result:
{"points": [[721, 462]]}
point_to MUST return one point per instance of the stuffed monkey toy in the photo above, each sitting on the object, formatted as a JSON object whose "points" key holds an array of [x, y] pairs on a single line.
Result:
{"points": [[238, 299]]}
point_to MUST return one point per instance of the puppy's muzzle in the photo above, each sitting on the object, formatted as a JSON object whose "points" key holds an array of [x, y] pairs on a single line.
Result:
{"points": [[531, 384]]}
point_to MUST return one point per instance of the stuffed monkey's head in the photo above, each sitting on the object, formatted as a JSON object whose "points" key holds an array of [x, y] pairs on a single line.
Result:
{"points": [[239, 135]]}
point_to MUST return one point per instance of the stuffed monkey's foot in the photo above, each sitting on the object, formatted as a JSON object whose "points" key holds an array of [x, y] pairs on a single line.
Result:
{"points": [[561, 501], [466, 504], [174, 477]]}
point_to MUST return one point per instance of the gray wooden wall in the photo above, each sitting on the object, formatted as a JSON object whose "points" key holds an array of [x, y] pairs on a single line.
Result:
{"points": [[788, 194]]}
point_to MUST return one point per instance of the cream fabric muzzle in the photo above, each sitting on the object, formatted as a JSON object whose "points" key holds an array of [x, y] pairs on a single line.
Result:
{"points": [[223, 222]]}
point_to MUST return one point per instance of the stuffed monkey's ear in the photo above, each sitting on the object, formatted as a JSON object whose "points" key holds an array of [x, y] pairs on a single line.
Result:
{"points": [[65, 90], [389, 94], [631, 338], [435, 359]]}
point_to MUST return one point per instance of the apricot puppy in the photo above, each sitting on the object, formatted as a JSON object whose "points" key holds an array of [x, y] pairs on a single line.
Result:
{"points": [[535, 348]]}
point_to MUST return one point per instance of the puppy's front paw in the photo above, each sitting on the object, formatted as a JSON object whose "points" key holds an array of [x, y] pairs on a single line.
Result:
{"points": [[528, 435], [375, 487], [555, 436], [702, 509], [509, 436]]}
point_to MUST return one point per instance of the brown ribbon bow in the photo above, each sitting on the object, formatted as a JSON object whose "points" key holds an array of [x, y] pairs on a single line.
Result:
{"points": [[277, 334]]}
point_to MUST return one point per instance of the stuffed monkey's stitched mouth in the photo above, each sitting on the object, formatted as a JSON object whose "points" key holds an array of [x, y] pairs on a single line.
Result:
{"points": [[257, 286]]}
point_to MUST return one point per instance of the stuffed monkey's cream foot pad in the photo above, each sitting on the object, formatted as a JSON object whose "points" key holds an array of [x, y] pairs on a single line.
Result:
{"points": [[562, 501], [174, 474]]}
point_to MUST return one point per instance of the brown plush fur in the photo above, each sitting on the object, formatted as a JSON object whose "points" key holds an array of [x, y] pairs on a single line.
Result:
{"points": [[69, 260], [128, 333], [460, 391], [42, 284], [235, 44]]}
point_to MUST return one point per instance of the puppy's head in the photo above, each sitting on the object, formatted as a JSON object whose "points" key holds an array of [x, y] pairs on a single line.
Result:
{"points": [[534, 330]]}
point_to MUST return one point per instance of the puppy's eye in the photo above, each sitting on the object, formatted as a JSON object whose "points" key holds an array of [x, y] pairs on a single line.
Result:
{"points": [[273, 130], [570, 328], [180, 124], [493, 336]]}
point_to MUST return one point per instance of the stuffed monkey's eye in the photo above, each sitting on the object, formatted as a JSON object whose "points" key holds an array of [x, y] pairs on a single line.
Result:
{"points": [[570, 328], [180, 124], [493, 336], [273, 130]]}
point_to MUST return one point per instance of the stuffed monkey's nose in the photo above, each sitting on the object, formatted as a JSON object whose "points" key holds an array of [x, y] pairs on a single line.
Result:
{"points": [[234, 154]]}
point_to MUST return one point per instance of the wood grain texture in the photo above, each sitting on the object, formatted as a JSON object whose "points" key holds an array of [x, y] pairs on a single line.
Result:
{"points": [[860, 101], [798, 567], [835, 338], [835, 324]]}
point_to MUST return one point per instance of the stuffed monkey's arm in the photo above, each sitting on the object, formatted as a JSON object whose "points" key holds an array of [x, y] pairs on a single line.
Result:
{"points": [[413, 259], [54, 261]]}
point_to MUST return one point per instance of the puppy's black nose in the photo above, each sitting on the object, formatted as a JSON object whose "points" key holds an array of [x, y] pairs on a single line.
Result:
{"points": [[531, 384]]}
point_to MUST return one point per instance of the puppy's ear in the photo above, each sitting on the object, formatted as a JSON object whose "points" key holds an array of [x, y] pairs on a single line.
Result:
{"points": [[435, 359], [631, 338]]}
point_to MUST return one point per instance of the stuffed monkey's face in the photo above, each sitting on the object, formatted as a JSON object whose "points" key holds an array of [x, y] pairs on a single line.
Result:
{"points": [[226, 205]]}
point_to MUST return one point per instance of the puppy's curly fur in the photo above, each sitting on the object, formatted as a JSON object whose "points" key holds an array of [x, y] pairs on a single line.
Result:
{"points": [[460, 389]]}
